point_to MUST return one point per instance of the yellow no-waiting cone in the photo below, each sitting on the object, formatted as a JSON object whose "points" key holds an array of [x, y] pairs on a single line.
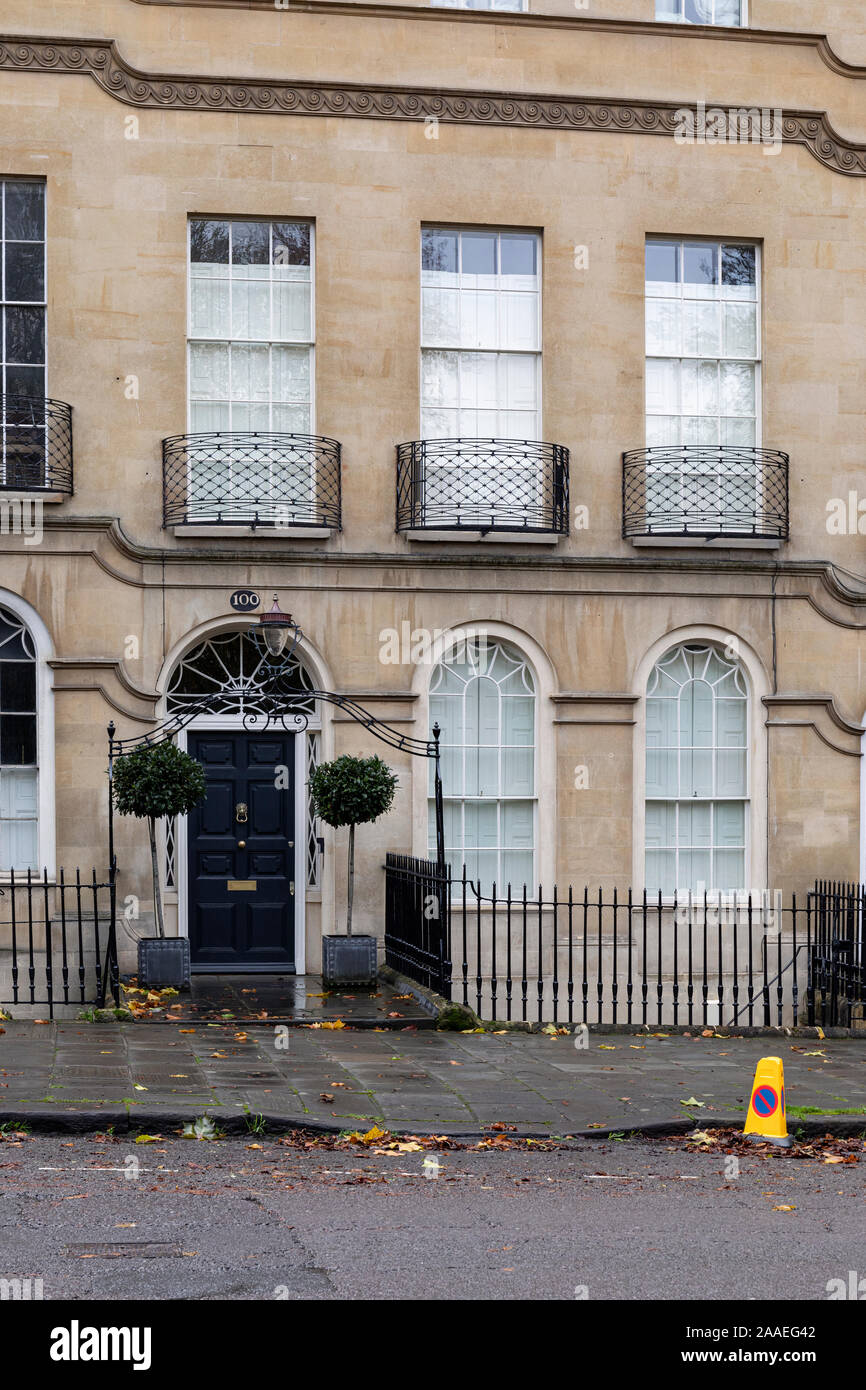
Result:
{"points": [[766, 1122]]}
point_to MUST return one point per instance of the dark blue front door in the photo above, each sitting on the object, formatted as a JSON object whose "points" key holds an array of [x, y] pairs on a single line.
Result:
{"points": [[241, 854]]}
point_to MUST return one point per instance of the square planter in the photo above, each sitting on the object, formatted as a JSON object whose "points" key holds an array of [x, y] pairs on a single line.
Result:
{"points": [[163, 962], [348, 960]]}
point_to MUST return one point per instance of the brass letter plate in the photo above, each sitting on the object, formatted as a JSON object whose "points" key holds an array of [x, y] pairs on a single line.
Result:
{"points": [[241, 885]]}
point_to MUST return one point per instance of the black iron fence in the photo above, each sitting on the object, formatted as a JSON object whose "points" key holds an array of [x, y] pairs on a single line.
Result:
{"points": [[729, 959], [837, 958], [417, 914], [35, 445], [705, 491], [257, 479], [513, 485], [57, 943]]}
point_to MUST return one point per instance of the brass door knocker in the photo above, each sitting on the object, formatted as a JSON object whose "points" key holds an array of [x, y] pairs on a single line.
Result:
{"points": [[241, 812]]}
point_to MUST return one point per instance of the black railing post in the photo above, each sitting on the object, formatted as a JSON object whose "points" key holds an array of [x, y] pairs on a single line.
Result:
{"points": [[438, 799]]}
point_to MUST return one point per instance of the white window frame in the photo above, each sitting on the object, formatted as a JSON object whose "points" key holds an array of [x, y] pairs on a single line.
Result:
{"points": [[272, 342], [498, 352], [452, 655], [21, 303], [677, 799], [45, 793], [721, 357], [664, 15], [500, 6]]}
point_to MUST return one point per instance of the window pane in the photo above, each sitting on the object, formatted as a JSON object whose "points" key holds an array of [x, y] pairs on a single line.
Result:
{"points": [[209, 242], [738, 266], [26, 381], [251, 310], [439, 250], [209, 308], [209, 371], [741, 330], [25, 334], [478, 253], [517, 255], [738, 389], [291, 243], [17, 685], [17, 739], [662, 262], [251, 243], [25, 211], [291, 374], [292, 311], [663, 318], [700, 265], [25, 271]]}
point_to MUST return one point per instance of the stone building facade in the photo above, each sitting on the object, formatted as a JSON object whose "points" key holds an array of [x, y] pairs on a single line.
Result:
{"points": [[287, 240]]}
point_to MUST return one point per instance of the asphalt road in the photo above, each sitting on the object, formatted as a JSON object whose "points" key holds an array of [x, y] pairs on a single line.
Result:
{"points": [[644, 1220]]}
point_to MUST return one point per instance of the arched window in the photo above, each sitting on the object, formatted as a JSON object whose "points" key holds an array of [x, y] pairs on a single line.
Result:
{"points": [[483, 696], [228, 664], [697, 772], [19, 765]]}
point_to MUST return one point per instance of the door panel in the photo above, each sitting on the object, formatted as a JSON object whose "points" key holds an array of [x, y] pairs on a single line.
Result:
{"points": [[233, 928]]}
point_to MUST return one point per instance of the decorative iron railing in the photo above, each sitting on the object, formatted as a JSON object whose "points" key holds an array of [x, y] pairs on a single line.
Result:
{"points": [[57, 940], [255, 479], [482, 485], [837, 961], [35, 445], [569, 956], [417, 914], [705, 491]]}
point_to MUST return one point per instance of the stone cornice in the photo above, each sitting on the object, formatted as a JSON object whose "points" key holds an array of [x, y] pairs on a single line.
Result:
{"points": [[818, 713], [534, 20], [100, 60]]}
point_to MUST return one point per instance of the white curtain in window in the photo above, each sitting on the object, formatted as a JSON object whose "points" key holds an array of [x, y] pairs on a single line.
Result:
{"points": [[483, 697], [697, 770]]}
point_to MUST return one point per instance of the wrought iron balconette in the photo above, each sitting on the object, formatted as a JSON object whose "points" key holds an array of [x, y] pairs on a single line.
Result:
{"points": [[35, 445], [510, 485], [725, 492], [255, 479]]}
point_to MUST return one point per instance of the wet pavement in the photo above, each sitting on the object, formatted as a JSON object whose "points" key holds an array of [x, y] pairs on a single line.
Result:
{"points": [[291, 999], [90, 1076]]}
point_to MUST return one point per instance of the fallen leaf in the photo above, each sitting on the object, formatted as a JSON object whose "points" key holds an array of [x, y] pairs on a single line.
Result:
{"points": [[692, 1100]]}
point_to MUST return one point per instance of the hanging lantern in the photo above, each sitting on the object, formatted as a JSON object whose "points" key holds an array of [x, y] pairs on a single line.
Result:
{"points": [[276, 627]]}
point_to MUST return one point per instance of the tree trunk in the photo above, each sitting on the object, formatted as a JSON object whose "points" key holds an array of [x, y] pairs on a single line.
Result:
{"points": [[157, 896], [351, 887]]}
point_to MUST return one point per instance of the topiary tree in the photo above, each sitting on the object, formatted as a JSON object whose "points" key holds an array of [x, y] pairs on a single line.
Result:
{"points": [[352, 791], [154, 781]]}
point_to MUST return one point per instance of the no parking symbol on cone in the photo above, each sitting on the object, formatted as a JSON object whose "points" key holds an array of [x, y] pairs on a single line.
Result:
{"points": [[766, 1121]]}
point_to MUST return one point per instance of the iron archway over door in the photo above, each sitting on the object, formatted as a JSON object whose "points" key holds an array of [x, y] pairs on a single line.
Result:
{"points": [[271, 697]]}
